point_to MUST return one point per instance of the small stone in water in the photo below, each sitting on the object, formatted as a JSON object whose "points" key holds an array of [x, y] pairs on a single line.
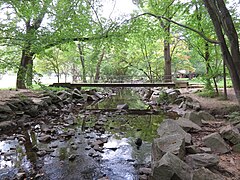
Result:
{"points": [[87, 148], [74, 147], [72, 157], [21, 175]]}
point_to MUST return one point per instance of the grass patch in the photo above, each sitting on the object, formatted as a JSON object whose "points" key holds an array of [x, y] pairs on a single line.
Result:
{"points": [[207, 93], [42, 87]]}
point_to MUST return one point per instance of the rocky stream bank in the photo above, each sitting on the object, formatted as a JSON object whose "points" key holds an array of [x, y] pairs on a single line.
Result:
{"points": [[52, 135]]}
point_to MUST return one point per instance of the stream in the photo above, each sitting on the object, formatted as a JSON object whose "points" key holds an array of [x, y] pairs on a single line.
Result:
{"points": [[101, 144]]}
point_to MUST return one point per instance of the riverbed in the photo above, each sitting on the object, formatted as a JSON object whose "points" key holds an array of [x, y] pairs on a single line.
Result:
{"points": [[101, 142]]}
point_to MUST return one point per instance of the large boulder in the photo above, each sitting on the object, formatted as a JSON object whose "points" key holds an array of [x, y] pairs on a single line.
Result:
{"points": [[216, 143], [205, 174], [188, 125], [170, 127], [170, 143], [171, 167], [6, 113], [231, 134], [194, 117], [206, 116], [202, 160]]}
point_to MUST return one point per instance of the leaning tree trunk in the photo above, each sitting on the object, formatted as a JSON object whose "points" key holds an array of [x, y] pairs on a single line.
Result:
{"points": [[22, 70], [222, 22]]}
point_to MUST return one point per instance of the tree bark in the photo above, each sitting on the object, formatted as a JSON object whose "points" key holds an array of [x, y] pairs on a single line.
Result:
{"points": [[224, 82], [29, 74], [80, 48], [97, 74], [222, 22], [167, 55], [22, 70], [206, 57]]}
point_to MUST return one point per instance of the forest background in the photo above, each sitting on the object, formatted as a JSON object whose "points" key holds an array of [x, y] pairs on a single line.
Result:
{"points": [[96, 40]]}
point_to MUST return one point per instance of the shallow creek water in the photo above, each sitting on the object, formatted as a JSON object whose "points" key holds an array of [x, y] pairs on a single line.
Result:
{"points": [[69, 154]]}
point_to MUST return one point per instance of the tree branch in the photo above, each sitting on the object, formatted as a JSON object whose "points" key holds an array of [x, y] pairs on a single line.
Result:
{"points": [[181, 25]]}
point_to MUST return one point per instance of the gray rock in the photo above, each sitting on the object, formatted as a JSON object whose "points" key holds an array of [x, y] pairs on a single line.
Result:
{"points": [[45, 138], [5, 117], [122, 106], [169, 127], [172, 94], [77, 96], [194, 117], [41, 153], [202, 160], [5, 125], [236, 148], [141, 177], [205, 149], [146, 171], [171, 167], [196, 105], [5, 113], [148, 94], [72, 157], [63, 95], [205, 174], [5, 109], [231, 134], [216, 143], [21, 175], [12, 106], [191, 149], [97, 142], [206, 116], [170, 143], [33, 111], [188, 125]]}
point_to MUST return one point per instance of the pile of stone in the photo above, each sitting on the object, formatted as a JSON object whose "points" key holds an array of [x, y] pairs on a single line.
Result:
{"points": [[174, 156], [162, 96], [17, 110]]}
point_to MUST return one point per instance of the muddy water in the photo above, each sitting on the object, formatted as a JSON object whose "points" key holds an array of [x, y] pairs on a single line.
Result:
{"points": [[69, 154]]}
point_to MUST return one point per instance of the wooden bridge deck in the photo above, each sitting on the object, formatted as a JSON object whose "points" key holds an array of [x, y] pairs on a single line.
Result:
{"points": [[69, 85]]}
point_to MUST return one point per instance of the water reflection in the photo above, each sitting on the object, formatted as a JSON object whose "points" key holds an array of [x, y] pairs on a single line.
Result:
{"points": [[120, 155], [123, 96]]}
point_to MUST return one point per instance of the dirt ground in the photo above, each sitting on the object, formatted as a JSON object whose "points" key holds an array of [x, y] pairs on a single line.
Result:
{"points": [[215, 106], [6, 95]]}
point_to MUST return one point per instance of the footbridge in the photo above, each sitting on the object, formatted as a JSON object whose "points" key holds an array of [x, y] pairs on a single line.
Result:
{"points": [[80, 85]]}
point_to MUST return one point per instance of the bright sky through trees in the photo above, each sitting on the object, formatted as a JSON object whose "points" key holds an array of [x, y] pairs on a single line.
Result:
{"points": [[115, 8]]}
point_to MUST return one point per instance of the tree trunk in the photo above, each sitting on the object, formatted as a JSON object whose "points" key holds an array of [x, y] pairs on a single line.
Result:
{"points": [[80, 48], [206, 57], [167, 55], [224, 82], [222, 22], [97, 74], [29, 75], [22, 70]]}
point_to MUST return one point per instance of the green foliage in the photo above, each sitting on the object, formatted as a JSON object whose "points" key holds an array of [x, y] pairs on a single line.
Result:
{"points": [[163, 98], [133, 49], [207, 93], [234, 116]]}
